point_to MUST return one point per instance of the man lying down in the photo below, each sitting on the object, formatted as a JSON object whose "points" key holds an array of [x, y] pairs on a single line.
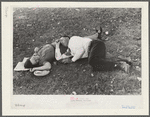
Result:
{"points": [[40, 62], [93, 48]]}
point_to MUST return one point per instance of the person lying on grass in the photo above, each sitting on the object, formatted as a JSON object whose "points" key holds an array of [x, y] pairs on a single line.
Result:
{"points": [[43, 57], [91, 47]]}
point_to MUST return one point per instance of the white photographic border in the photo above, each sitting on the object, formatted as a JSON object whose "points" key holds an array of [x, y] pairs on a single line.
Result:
{"points": [[62, 104]]}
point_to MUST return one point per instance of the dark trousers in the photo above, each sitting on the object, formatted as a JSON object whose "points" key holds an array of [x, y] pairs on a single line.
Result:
{"points": [[97, 54]]}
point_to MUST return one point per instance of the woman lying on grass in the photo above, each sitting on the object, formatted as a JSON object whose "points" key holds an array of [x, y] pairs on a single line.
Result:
{"points": [[40, 61]]}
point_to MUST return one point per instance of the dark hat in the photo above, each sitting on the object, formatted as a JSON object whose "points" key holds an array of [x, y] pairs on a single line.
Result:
{"points": [[28, 64]]}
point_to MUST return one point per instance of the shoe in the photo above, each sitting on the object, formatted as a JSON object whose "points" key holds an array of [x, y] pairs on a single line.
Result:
{"points": [[127, 60], [99, 32], [124, 66]]}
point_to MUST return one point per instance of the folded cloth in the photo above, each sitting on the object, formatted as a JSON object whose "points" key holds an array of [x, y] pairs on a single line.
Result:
{"points": [[41, 73], [20, 66]]}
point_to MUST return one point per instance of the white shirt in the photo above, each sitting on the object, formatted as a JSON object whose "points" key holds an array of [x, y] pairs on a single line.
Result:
{"points": [[78, 46]]}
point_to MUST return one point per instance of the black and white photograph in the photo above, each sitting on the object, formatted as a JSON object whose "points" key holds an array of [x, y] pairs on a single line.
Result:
{"points": [[77, 52]]}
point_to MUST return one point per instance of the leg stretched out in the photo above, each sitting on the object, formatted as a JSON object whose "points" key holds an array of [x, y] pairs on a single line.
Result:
{"points": [[98, 62]]}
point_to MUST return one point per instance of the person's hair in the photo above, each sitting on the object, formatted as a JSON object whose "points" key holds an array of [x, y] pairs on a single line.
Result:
{"points": [[66, 36], [28, 64]]}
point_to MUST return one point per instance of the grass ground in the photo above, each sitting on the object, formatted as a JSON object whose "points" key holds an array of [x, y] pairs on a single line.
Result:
{"points": [[37, 26]]}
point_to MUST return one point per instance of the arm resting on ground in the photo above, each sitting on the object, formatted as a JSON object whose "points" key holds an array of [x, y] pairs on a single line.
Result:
{"points": [[78, 54], [46, 66], [60, 56]]}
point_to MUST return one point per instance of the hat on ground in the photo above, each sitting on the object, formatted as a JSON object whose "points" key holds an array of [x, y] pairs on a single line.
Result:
{"points": [[41, 73]]}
